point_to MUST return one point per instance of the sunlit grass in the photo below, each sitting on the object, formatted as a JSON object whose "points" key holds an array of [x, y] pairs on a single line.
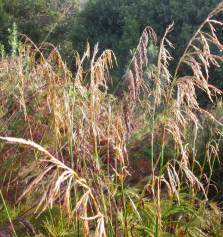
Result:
{"points": [[76, 146]]}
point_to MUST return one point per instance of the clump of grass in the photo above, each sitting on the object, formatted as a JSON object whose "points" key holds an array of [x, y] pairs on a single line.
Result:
{"points": [[88, 136], [79, 137]]}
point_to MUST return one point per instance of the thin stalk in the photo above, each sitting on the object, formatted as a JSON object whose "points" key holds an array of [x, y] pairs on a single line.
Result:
{"points": [[194, 147], [159, 215], [152, 143], [72, 155], [124, 210], [7, 212], [162, 154]]}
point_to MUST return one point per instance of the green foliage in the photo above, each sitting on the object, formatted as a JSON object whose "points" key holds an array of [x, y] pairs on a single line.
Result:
{"points": [[13, 39], [41, 20], [7, 212], [114, 24], [118, 24], [53, 222]]}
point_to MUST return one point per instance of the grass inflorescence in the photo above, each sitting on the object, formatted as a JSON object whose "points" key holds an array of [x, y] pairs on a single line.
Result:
{"points": [[140, 162]]}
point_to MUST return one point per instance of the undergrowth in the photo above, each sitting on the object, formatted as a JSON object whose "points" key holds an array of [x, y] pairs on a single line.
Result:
{"points": [[79, 161]]}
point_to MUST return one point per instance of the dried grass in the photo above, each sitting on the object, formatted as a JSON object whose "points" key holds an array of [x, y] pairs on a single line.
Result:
{"points": [[82, 153]]}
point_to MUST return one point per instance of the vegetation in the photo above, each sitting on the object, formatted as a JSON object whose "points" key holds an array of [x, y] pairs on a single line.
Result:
{"points": [[120, 23], [77, 160], [41, 20]]}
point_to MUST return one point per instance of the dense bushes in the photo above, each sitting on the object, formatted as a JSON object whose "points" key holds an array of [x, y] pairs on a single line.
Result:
{"points": [[117, 24], [113, 24], [41, 20]]}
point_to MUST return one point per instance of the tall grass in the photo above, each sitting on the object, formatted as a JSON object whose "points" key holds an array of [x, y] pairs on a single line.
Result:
{"points": [[79, 140]]}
